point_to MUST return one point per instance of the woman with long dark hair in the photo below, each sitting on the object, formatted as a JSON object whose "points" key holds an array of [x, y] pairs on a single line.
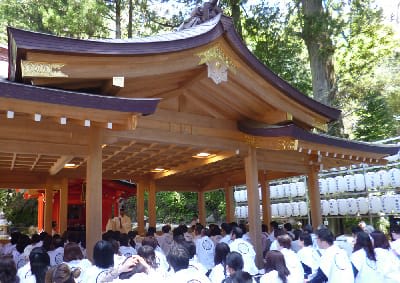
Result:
{"points": [[363, 260], [40, 263], [275, 268], [218, 272], [388, 264]]}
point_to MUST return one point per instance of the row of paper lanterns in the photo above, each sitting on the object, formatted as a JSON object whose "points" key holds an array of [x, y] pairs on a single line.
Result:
{"points": [[332, 185], [351, 206]]}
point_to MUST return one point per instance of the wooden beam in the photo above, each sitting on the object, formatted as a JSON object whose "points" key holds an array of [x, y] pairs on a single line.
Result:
{"points": [[315, 198], [197, 162], [59, 165], [152, 205], [48, 209], [44, 148], [63, 213], [94, 191], [253, 202]]}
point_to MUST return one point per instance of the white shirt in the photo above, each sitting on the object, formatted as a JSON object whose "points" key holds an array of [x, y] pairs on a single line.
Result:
{"points": [[94, 274], [217, 274], [162, 262], [188, 275], [388, 265], [247, 251], [367, 269], [226, 239], [270, 277], [336, 265], [395, 245], [294, 265], [83, 265], [56, 256], [309, 257], [205, 250], [8, 249], [24, 272]]}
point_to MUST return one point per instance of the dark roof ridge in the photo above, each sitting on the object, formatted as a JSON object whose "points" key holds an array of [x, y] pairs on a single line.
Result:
{"points": [[291, 130]]}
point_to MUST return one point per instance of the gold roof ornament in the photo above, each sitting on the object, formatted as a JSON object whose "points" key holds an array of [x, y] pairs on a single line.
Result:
{"points": [[42, 69]]}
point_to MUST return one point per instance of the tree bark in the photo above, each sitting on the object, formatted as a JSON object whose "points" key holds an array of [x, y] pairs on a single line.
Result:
{"points": [[235, 10], [130, 19], [118, 8]]}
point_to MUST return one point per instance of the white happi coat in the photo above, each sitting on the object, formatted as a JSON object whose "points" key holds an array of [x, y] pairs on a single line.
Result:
{"points": [[388, 265], [335, 264], [205, 250], [294, 265], [367, 269], [247, 251]]}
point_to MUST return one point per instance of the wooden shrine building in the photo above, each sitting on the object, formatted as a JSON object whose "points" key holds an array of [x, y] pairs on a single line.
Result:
{"points": [[143, 109]]}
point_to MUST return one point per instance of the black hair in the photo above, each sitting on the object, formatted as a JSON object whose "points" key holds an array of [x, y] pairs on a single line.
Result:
{"points": [[178, 257], [234, 260], [287, 226], [240, 277], [147, 252], [274, 260], [306, 238], [237, 231], [103, 254], [325, 235], [40, 262], [221, 251], [364, 242], [226, 227], [8, 270], [166, 228], [380, 240], [285, 241]]}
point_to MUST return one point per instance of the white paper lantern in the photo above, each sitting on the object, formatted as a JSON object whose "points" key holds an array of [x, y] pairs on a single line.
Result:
{"points": [[293, 190], [396, 203], [383, 179], [301, 189], [352, 208], [394, 174], [288, 208], [261, 210], [303, 209], [362, 204], [350, 183], [280, 191], [242, 212], [324, 207], [237, 212], [360, 182], [331, 185], [272, 192], [375, 205], [371, 180], [342, 206], [244, 195], [333, 207], [388, 203], [295, 209], [282, 209], [340, 184], [286, 189], [274, 210], [259, 193], [323, 186], [236, 196]]}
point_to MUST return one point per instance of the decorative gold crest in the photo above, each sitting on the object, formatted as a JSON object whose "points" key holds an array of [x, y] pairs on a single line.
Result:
{"points": [[42, 69], [320, 125]]}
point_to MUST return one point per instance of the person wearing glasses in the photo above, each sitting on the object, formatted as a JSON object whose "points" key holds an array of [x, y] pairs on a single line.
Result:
{"points": [[335, 265]]}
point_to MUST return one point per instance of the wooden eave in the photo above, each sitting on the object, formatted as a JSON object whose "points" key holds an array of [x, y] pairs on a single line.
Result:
{"points": [[174, 64]]}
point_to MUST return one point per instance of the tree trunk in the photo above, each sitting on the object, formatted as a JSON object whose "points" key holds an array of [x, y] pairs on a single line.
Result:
{"points": [[235, 10], [118, 8], [317, 37], [130, 19]]}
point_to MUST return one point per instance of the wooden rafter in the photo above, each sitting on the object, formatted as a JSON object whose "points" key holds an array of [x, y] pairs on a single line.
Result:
{"points": [[59, 165]]}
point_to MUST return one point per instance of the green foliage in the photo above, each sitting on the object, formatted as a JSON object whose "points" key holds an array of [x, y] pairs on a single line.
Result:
{"points": [[17, 210], [376, 121], [274, 40], [77, 18]]}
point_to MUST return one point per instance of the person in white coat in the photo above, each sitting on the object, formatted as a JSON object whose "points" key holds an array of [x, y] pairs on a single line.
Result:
{"points": [[335, 266], [388, 264], [218, 272], [308, 256], [291, 259], [205, 248], [276, 270], [245, 249], [364, 261]]}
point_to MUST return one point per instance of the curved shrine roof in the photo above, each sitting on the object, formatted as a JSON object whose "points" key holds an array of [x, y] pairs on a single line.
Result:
{"points": [[208, 32]]}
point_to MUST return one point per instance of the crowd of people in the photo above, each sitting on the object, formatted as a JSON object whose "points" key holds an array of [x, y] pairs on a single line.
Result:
{"points": [[201, 254]]}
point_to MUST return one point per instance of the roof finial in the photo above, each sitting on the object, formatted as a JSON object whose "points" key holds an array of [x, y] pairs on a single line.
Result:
{"points": [[202, 14]]}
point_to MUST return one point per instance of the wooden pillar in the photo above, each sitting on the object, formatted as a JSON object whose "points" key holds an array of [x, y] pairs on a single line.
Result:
{"points": [[48, 208], [63, 217], [253, 201], [201, 207], [314, 197], [40, 212], [230, 203], [152, 204], [266, 200], [94, 191], [140, 188]]}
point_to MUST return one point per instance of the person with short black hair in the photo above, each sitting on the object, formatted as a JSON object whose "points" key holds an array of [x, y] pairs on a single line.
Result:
{"points": [[240, 277], [226, 233], [307, 254], [234, 262], [178, 258], [205, 248], [395, 244], [335, 266], [245, 248]]}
